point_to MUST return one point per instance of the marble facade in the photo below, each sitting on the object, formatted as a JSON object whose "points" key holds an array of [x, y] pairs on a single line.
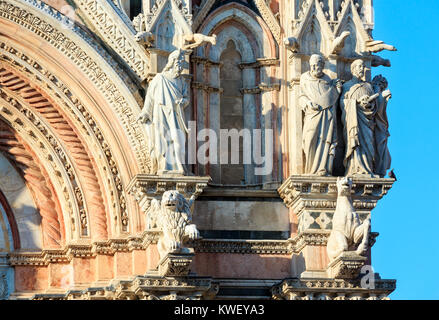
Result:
{"points": [[79, 173]]}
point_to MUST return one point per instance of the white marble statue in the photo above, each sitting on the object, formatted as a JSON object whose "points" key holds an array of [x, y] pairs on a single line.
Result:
{"points": [[358, 105], [173, 216], [382, 157], [348, 233], [165, 100], [319, 100]]}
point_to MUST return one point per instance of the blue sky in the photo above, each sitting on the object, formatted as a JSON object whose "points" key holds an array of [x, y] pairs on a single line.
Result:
{"points": [[407, 218]]}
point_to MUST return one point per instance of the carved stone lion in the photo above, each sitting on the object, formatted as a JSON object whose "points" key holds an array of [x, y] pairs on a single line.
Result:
{"points": [[173, 216]]}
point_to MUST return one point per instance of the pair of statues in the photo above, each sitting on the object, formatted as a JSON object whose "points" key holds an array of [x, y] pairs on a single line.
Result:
{"points": [[363, 116]]}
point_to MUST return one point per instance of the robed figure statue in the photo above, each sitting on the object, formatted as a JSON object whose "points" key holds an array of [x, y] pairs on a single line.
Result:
{"points": [[358, 105], [319, 100], [382, 157], [165, 100]]}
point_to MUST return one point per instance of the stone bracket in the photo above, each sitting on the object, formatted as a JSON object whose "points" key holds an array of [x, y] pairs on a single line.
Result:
{"points": [[144, 186], [175, 264], [301, 192], [314, 199], [347, 266]]}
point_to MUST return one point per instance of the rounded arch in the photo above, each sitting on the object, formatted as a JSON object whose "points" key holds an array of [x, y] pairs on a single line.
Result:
{"points": [[9, 236], [81, 170], [21, 214], [98, 93], [35, 148]]}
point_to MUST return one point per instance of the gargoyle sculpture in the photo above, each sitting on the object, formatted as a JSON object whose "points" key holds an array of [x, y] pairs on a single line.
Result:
{"points": [[339, 42], [378, 46], [194, 40], [348, 233]]}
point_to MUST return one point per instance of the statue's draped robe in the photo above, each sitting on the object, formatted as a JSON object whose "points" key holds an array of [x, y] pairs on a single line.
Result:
{"points": [[319, 128], [359, 126], [167, 131], [382, 158]]}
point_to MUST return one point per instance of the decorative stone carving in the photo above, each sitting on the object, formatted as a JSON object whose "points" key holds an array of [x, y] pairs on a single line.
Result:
{"points": [[173, 216], [378, 46], [167, 201], [142, 288], [359, 105], [162, 114], [347, 231], [306, 193], [195, 40], [175, 264], [339, 42], [319, 101], [330, 289], [116, 30], [346, 266], [314, 200], [382, 157], [78, 46], [269, 18]]}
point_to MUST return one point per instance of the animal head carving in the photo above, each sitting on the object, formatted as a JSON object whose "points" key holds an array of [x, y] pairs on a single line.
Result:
{"points": [[344, 186], [175, 201]]}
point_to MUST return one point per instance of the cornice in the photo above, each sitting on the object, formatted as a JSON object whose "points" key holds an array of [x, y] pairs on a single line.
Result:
{"points": [[332, 289], [83, 250]]}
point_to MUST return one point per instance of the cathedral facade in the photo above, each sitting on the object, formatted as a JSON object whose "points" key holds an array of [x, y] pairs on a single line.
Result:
{"points": [[191, 149]]}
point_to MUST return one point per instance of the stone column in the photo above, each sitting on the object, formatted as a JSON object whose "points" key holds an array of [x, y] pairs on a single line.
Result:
{"points": [[295, 123]]}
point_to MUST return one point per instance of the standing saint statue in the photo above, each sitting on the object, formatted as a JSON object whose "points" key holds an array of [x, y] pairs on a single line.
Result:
{"points": [[319, 101], [166, 97], [358, 105], [382, 157]]}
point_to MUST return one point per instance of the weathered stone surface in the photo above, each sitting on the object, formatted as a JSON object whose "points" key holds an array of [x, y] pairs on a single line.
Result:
{"points": [[79, 171], [346, 266], [175, 264]]}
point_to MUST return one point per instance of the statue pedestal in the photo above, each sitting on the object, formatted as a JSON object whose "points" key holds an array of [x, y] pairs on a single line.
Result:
{"points": [[347, 266], [144, 186], [312, 201], [176, 264]]}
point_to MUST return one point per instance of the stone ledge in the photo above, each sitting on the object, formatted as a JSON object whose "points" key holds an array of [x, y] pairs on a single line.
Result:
{"points": [[138, 288], [111, 246], [301, 192], [330, 289], [91, 250], [243, 246], [153, 185], [151, 287]]}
